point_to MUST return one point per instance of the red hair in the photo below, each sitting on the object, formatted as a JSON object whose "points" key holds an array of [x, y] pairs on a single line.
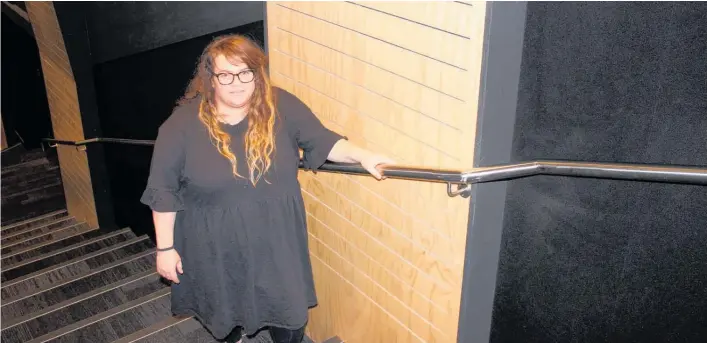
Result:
{"points": [[260, 137]]}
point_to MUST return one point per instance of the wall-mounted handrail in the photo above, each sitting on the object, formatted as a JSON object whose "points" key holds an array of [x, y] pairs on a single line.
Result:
{"points": [[98, 140], [617, 171], [463, 179]]}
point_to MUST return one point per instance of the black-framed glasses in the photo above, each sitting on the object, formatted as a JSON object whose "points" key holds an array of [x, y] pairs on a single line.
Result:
{"points": [[226, 78]]}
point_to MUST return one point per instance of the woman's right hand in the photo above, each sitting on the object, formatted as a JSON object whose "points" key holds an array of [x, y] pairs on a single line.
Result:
{"points": [[169, 263]]}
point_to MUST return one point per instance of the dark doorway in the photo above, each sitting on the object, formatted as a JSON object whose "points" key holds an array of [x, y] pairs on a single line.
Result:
{"points": [[25, 109]]}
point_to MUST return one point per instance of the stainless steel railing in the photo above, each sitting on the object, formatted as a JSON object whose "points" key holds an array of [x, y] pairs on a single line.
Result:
{"points": [[85, 142], [459, 181]]}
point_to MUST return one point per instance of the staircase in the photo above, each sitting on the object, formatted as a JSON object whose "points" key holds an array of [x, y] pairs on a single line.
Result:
{"points": [[63, 281]]}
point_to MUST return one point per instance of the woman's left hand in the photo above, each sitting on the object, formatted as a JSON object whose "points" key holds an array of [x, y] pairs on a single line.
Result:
{"points": [[371, 162]]}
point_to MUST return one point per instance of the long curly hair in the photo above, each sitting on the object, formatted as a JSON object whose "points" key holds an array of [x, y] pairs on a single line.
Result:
{"points": [[260, 137]]}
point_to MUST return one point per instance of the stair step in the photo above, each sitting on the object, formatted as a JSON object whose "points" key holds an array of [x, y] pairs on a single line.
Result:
{"points": [[27, 195], [30, 182], [48, 238], [9, 181], [186, 329], [74, 269], [116, 323], [9, 261], [40, 220], [83, 307], [172, 329], [19, 236], [25, 166], [30, 168], [30, 196], [55, 262], [55, 257], [9, 234], [18, 154], [15, 212], [71, 288], [33, 155]]}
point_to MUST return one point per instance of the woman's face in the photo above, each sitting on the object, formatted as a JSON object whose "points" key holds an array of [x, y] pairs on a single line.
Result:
{"points": [[233, 82]]}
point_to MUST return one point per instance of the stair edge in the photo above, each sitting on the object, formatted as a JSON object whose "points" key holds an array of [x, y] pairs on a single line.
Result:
{"points": [[79, 277], [84, 296], [40, 217], [42, 244], [32, 228], [75, 260], [102, 316], [65, 249], [154, 329]]}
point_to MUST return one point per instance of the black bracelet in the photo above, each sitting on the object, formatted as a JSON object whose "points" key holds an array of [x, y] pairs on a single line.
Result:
{"points": [[165, 249]]}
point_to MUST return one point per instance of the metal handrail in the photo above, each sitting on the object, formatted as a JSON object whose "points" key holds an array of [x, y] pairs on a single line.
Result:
{"points": [[98, 140], [463, 179]]}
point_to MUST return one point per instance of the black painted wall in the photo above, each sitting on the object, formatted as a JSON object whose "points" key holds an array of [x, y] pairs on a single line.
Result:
{"points": [[24, 100], [119, 29], [135, 95], [595, 260], [14, 15], [71, 18]]}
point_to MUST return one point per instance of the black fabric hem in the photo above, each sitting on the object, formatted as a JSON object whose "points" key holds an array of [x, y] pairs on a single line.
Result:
{"points": [[162, 200], [248, 331], [315, 159]]}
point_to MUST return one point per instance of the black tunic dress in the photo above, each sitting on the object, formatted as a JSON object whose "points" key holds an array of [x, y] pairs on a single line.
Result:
{"points": [[244, 249]]}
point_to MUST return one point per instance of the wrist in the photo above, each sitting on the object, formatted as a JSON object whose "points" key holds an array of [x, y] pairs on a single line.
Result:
{"points": [[360, 154], [168, 248]]}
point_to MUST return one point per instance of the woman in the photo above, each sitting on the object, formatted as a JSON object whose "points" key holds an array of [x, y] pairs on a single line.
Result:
{"points": [[228, 211]]}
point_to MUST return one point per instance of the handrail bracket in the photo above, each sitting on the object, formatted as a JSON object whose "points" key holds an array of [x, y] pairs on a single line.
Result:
{"points": [[463, 190]]}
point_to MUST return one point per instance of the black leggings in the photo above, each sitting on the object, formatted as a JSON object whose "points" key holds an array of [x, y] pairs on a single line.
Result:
{"points": [[279, 335]]}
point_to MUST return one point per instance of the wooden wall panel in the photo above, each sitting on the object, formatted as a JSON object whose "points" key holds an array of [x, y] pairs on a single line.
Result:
{"points": [[64, 110], [3, 140], [401, 78]]}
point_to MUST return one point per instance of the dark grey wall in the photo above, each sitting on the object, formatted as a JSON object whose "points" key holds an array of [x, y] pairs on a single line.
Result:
{"points": [[607, 261], [119, 29], [501, 64]]}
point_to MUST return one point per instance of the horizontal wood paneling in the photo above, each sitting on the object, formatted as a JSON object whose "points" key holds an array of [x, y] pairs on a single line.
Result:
{"points": [[3, 140], [400, 78], [430, 103], [449, 16], [396, 59], [439, 46]]}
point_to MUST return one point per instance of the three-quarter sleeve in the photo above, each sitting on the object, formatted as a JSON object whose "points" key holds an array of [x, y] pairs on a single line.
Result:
{"points": [[162, 193], [315, 140]]}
